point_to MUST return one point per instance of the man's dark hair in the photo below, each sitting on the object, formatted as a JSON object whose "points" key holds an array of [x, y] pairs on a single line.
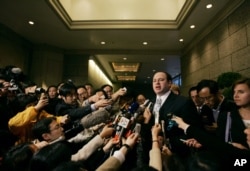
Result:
{"points": [[66, 89], [211, 84], [192, 89], [41, 127], [168, 76]]}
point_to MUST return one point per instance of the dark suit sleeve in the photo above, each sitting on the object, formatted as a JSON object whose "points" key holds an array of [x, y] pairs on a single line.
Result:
{"points": [[190, 115], [73, 112]]}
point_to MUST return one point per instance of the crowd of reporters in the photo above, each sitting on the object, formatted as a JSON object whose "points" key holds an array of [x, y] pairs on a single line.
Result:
{"points": [[69, 127]]}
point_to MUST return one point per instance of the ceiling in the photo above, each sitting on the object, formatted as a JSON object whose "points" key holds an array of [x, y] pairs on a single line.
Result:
{"points": [[122, 32]]}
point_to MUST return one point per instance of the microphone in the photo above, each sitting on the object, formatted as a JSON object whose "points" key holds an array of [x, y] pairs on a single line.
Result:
{"points": [[165, 140], [16, 70], [163, 130], [94, 118], [121, 127]]}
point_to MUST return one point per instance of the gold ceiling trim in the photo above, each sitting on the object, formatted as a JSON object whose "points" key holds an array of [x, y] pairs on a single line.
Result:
{"points": [[122, 24]]}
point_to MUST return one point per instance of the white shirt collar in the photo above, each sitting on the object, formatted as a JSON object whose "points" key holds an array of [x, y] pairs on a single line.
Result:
{"points": [[163, 97]]}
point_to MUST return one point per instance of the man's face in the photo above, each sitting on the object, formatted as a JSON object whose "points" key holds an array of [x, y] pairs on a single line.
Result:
{"points": [[160, 83], [82, 94], [196, 99], [211, 100], [55, 131], [89, 89], [71, 98]]}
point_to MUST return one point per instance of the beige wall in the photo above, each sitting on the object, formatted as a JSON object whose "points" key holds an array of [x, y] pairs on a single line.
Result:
{"points": [[226, 48]]}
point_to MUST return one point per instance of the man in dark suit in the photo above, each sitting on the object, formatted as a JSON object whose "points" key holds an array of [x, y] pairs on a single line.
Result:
{"points": [[170, 104]]}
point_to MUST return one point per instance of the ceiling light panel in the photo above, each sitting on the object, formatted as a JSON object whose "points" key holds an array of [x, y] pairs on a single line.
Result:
{"points": [[126, 78], [125, 67]]}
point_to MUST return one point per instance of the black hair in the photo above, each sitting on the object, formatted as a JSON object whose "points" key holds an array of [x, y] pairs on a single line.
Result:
{"points": [[144, 168], [211, 84], [18, 158], [81, 86], [204, 161], [51, 156], [106, 85], [70, 166], [26, 99], [67, 89], [192, 89], [41, 127], [168, 76]]}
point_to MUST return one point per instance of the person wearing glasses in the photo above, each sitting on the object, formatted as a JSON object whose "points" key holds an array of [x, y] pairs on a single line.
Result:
{"points": [[208, 91]]}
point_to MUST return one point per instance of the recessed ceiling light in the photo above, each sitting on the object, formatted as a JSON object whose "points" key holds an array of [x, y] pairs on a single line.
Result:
{"points": [[145, 43], [209, 6], [162, 59], [192, 26], [103, 43], [181, 40], [148, 77], [31, 22], [124, 59]]}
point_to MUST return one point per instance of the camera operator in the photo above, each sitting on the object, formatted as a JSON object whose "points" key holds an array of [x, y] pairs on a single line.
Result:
{"points": [[21, 124], [8, 103]]}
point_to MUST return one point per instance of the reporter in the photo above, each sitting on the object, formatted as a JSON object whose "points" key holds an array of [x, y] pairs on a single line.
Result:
{"points": [[227, 152], [21, 124], [114, 162]]}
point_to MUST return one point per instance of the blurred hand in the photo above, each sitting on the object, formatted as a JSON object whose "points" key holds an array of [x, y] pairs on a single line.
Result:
{"points": [[43, 101], [156, 129], [166, 151], [118, 93], [132, 139], [240, 146], [65, 119], [180, 122], [247, 132], [112, 142], [192, 143], [102, 103], [107, 131]]}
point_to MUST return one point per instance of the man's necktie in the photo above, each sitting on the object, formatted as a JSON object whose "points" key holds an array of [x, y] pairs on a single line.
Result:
{"points": [[157, 109]]}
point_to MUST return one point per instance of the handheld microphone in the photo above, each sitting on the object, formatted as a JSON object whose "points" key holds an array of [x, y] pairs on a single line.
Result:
{"points": [[122, 125], [163, 130]]}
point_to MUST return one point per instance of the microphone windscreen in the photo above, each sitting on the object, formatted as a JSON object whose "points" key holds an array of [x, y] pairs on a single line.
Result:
{"points": [[94, 118], [16, 70]]}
